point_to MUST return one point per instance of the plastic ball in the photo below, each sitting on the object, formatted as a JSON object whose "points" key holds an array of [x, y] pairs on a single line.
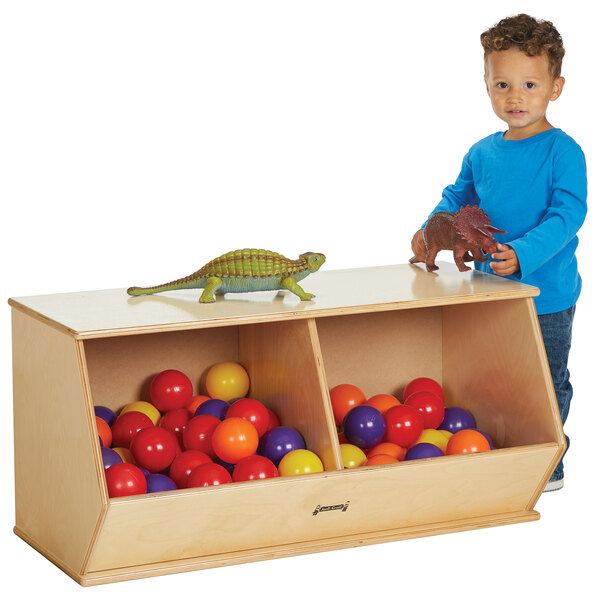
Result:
{"points": [[254, 467], [227, 381], [110, 457], [144, 407], [423, 450], [435, 437], [467, 441], [404, 425], [226, 465], [456, 418], [195, 402], [175, 421], [423, 384], [383, 402], [364, 426], [127, 425], [253, 411], [183, 464], [104, 431], [157, 482], [208, 474], [352, 456], [125, 455], [300, 462], [277, 442], [344, 397], [105, 413], [214, 407], [397, 452], [197, 434], [234, 439], [488, 438], [273, 420], [380, 459], [124, 479], [171, 389], [154, 448], [430, 407]]}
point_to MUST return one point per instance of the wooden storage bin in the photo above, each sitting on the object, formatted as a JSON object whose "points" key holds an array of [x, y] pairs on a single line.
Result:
{"points": [[377, 328]]}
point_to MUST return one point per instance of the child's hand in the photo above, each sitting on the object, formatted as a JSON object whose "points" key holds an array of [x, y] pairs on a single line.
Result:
{"points": [[509, 262]]}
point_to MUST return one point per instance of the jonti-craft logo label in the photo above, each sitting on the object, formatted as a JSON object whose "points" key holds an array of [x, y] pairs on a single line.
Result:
{"points": [[321, 508]]}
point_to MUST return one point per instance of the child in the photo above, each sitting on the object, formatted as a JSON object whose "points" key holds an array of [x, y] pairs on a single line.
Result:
{"points": [[531, 181]]}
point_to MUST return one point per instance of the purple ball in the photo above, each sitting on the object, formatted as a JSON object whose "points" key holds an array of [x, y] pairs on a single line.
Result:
{"points": [[105, 413], [456, 418], [214, 407], [110, 457], [364, 426], [277, 442], [159, 483], [423, 450], [230, 467]]}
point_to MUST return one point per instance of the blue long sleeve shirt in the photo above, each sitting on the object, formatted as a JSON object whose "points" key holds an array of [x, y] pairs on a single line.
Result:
{"points": [[536, 190]]}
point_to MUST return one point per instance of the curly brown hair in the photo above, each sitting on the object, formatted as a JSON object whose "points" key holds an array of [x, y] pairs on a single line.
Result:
{"points": [[529, 35]]}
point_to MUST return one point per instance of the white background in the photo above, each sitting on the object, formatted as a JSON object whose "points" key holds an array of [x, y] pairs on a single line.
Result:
{"points": [[141, 139]]}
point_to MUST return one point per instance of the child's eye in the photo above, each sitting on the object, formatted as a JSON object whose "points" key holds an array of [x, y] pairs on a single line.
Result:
{"points": [[529, 85], [502, 85]]}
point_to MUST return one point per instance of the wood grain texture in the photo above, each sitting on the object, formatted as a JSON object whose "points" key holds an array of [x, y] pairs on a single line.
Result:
{"points": [[58, 495]]}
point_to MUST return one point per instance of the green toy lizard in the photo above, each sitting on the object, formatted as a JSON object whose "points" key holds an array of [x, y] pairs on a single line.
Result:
{"points": [[247, 270]]}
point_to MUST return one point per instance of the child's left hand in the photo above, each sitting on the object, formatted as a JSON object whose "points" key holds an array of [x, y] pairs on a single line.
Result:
{"points": [[509, 263]]}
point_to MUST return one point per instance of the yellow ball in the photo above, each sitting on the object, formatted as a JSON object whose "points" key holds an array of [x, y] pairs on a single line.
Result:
{"points": [[435, 437], [448, 434], [352, 456], [227, 381], [300, 462], [144, 407], [125, 455]]}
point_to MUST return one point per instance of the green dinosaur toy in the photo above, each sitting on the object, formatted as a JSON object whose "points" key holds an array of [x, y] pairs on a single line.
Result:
{"points": [[245, 270]]}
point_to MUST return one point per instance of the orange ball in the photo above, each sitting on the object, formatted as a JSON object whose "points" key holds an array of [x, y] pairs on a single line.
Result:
{"points": [[467, 441], [195, 403], [104, 431], [389, 449], [343, 398], [383, 402], [380, 459], [234, 439]]}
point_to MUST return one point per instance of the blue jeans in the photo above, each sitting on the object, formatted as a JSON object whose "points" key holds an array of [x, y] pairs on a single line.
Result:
{"points": [[556, 331]]}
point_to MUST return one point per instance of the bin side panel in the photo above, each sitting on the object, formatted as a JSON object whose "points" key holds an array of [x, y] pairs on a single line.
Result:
{"points": [[227, 519], [58, 497]]}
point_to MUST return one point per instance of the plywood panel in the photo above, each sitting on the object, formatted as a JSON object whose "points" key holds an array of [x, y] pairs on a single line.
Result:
{"points": [[58, 495], [244, 516], [495, 366], [382, 352]]}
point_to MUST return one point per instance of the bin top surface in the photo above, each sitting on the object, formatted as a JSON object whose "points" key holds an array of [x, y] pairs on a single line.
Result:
{"points": [[104, 313]]}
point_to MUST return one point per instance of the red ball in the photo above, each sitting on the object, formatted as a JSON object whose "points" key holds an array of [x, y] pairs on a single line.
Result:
{"points": [[154, 448], [198, 434], [430, 406], [184, 464], [467, 441], [171, 389], [344, 397], [208, 474], [124, 479], [127, 425], [234, 439], [273, 420], [251, 410], [423, 384], [175, 421], [404, 425], [254, 467]]}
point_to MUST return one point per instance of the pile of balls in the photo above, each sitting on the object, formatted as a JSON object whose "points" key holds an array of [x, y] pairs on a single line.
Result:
{"points": [[382, 430], [178, 440]]}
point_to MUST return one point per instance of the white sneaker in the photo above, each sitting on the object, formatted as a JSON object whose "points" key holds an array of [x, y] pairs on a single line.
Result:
{"points": [[554, 485]]}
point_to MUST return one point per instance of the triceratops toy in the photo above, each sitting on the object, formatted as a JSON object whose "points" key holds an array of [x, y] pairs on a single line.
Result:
{"points": [[467, 233]]}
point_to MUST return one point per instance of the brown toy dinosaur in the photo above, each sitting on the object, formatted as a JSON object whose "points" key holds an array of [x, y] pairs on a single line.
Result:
{"points": [[467, 232]]}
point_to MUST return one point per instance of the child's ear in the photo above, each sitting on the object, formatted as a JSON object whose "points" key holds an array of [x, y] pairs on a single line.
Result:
{"points": [[557, 88]]}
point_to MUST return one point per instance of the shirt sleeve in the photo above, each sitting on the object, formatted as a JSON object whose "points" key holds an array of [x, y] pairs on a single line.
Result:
{"points": [[461, 193], [563, 218]]}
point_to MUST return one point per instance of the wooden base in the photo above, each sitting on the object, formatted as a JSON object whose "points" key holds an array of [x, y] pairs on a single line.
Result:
{"points": [[284, 550]]}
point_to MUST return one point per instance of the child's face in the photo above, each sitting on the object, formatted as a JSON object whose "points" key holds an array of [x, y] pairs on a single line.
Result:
{"points": [[520, 88]]}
